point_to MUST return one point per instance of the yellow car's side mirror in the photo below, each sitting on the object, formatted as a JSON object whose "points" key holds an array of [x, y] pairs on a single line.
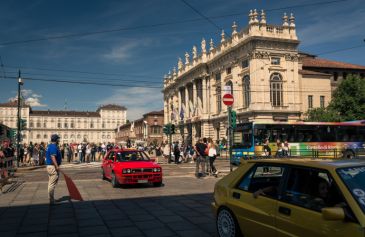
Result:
{"points": [[333, 213]]}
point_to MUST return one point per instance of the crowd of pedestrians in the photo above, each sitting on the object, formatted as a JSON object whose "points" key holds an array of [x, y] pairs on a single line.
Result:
{"points": [[35, 154]]}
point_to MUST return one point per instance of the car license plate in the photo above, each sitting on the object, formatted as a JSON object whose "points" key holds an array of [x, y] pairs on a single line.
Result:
{"points": [[142, 181]]}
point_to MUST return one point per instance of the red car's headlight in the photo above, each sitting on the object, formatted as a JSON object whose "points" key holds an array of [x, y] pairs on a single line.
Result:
{"points": [[126, 171], [156, 169]]}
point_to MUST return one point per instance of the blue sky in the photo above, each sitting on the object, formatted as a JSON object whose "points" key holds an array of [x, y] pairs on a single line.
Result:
{"points": [[142, 55]]}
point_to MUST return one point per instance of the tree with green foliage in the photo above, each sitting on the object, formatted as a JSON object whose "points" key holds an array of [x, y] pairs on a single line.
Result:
{"points": [[347, 104]]}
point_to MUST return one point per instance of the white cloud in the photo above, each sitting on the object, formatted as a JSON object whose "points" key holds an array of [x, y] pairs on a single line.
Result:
{"points": [[34, 102], [137, 100], [30, 98], [122, 52]]}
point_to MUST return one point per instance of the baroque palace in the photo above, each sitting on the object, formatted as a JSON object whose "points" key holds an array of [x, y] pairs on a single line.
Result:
{"points": [[72, 126], [264, 71]]}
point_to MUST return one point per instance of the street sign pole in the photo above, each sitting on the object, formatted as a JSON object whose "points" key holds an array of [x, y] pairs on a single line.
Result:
{"points": [[230, 137], [228, 100], [18, 123], [170, 142]]}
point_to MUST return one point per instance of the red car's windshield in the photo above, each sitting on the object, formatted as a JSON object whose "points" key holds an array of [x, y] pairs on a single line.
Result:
{"points": [[132, 156]]}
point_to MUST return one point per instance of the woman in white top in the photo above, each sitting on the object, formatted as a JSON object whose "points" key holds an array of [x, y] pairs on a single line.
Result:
{"points": [[88, 153], [212, 153]]}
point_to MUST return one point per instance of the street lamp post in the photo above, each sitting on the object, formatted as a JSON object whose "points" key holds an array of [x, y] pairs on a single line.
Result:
{"points": [[19, 118]]}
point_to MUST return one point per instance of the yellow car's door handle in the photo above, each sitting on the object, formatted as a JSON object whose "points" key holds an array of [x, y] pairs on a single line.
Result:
{"points": [[284, 210]]}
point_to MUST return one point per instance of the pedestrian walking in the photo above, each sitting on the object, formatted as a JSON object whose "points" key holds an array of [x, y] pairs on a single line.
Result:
{"points": [[42, 153], [177, 152], [35, 156], [166, 152], [200, 160], [79, 149], [93, 152], [68, 153], [53, 162], [212, 156], [88, 153]]}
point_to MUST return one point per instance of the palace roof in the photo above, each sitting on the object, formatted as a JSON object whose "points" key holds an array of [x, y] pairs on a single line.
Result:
{"points": [[325, 63], [111, 107], [64, 113]]}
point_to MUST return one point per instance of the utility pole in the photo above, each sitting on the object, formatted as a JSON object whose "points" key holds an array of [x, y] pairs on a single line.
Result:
{"points": [[19, 118], [230, 136]]}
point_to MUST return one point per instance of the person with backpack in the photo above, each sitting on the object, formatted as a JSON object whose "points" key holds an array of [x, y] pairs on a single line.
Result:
{"points": [[177, 152], [30, 152]]}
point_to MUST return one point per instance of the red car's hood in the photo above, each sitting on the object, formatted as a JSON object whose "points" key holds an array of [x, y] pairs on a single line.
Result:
{"points": [[138, 164]]}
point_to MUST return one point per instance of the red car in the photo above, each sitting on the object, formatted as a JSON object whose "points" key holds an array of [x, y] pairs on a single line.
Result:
{"points": [[130, 166]]}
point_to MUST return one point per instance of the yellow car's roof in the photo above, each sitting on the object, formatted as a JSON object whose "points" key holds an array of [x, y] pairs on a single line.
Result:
{"points": [[316, 163]]}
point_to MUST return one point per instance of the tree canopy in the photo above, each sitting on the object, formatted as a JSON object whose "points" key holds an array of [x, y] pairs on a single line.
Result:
{"points": [[348, 103]]}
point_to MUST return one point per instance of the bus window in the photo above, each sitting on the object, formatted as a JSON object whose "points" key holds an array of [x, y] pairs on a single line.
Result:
{"points": [[260, 136], [346, 134], [327, 134], [247, 138]]}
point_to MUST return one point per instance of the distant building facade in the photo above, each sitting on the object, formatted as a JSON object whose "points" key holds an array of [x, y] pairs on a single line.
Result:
{"points": [[72, 126], [261, 67], [146, 130]]}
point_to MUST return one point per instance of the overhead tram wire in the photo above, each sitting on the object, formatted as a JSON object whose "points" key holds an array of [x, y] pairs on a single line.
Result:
{"points": [[91, 79], [2, 67], [83, 72], [83, 34], [341, 50], [86, 82]]}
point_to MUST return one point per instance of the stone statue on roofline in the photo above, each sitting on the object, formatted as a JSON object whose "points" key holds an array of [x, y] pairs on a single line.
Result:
{"points": [[204, 45], [187, 61], [195, 52]]}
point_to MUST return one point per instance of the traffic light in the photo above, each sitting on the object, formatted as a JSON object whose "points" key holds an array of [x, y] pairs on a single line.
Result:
{"points": [[12, 134], [172, 128], [167, 129], [23, 124], [233, 119]]}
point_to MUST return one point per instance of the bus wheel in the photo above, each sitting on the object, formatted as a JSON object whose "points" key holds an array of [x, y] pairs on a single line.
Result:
{"points": [[348, 155]]}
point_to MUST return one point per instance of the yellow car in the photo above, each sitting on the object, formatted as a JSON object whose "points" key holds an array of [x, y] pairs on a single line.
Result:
{"points": [[292, 197]]}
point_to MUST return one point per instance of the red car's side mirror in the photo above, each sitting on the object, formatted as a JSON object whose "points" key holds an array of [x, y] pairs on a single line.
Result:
{"points": [[153, 159]]}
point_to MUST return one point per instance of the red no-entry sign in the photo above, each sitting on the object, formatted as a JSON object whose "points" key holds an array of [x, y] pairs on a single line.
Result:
{"points": [[228, 99]]}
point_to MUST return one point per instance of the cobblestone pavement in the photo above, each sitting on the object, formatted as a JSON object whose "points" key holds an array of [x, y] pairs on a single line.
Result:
{"points": [[181, 207]]}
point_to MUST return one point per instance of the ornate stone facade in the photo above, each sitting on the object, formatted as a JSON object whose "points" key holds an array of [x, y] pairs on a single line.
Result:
{"points": [[72, 126], [260, 66]]}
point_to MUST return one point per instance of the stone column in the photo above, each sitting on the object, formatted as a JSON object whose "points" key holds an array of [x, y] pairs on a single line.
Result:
{"points": [[166, 110], [179, 103], [205, 95], [187, 107], [195, 96]]}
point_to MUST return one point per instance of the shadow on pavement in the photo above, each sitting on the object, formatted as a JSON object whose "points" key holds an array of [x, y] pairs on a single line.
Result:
{"points": [[180, 215]]}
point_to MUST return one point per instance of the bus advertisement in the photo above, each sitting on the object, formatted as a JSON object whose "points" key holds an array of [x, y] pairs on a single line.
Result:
{"points": [[299, 139]]}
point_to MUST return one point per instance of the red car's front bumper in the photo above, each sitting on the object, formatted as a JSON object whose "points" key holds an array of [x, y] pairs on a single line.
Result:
{"points": [[140, 178]]}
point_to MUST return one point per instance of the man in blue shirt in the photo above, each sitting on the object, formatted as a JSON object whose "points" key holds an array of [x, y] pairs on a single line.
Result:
{"points": [[53, 161]]}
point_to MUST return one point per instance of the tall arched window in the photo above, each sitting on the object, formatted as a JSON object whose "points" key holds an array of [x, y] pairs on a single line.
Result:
{"points": [[246, 91], [276, 90]]}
